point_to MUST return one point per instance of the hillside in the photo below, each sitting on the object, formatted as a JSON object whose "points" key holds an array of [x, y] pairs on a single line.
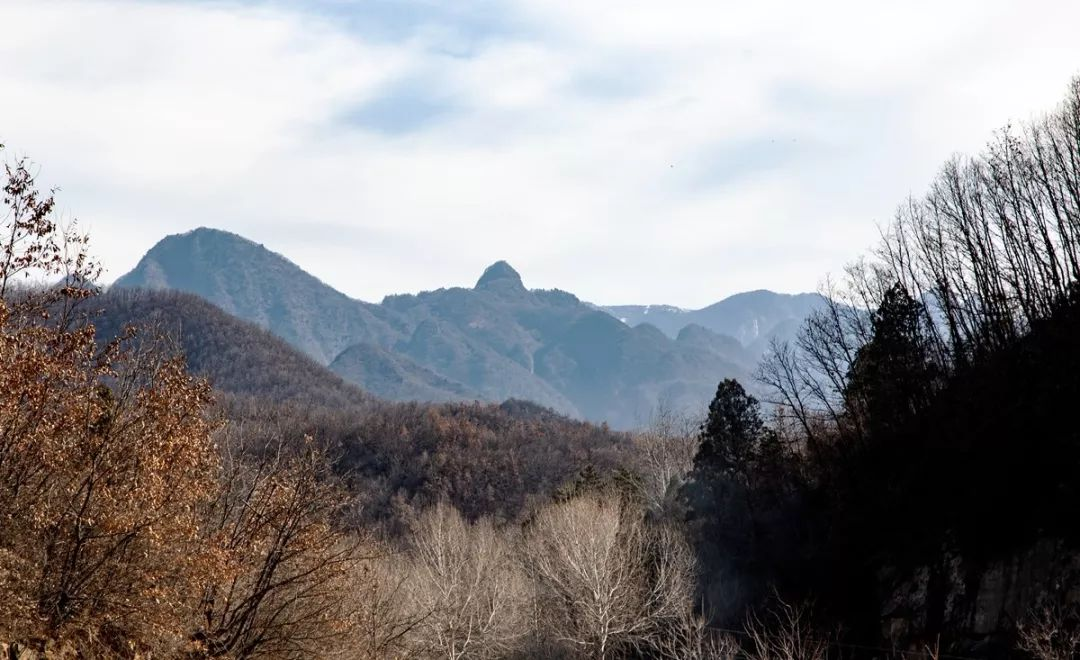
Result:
{"points": [[237, 357], [396, 377], [495, 341], [485, 458]]}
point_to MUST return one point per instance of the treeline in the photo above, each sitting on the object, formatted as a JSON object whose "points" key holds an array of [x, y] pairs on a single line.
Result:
{"points": [[497, 461], [918, 479]]}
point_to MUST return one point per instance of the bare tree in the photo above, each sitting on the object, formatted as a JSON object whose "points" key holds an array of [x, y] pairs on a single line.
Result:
{"points": [[1051, 633], [286, 563], [605, 581], [808, 376], [665, 450], [784, 633], [465, 586], [384, 618], [689, 637]]}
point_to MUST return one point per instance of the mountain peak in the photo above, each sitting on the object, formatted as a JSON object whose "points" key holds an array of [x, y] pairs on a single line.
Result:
{"points": [[499, 273], [208, 233], [203, 232], [248, 280], [200, 240]]}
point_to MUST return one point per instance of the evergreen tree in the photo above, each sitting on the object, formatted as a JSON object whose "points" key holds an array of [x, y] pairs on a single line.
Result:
{"points": [[720, 498], [731, 434], [893, 375]]}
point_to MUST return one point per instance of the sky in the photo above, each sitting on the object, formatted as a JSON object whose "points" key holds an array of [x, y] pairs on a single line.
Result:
{"points": [[629, 152]]}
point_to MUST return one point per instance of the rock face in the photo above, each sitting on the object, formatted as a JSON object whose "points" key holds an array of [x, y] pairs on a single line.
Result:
{"points": [[983, 600], [500, 275], [495, 341]]}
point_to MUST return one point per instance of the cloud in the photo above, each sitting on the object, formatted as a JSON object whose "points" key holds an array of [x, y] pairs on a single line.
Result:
{"points": [[403, 107], [652, 152]]}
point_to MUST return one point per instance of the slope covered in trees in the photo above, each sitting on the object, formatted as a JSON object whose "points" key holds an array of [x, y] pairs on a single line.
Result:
{"points": [[486, 459], [235, 356], [920, 477]]}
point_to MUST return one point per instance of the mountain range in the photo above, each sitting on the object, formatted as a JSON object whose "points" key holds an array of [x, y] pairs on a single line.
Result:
{"points": [[753, 318], [495, 341]]}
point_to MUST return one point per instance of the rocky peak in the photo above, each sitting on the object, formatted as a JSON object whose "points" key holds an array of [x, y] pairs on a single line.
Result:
{"points": [[501, 275]]}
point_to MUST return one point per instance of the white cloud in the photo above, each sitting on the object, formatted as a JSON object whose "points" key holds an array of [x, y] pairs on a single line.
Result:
{"points": [[627, 151]]}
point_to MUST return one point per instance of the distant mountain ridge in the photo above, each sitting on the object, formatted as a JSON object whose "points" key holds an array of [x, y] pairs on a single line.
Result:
{"points": [[495, 341], [752, 318]]}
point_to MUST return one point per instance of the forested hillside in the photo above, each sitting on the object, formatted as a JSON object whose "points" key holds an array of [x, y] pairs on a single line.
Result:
{"points": [[236, 357], [921, 484], [486, 459]]}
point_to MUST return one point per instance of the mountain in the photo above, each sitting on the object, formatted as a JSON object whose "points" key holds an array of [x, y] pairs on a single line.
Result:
{"points": [[701, 338], [396, 377], [495, 341], [752, 318], [503, 339], [255, 284]]}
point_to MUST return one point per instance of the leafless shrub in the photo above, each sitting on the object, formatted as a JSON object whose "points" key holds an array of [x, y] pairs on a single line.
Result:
{"points": [[689, 637], [1051, 633], [784, 633]]}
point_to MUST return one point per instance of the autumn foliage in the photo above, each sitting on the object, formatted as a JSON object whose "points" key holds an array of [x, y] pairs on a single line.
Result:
{"points": [[123, 532]]}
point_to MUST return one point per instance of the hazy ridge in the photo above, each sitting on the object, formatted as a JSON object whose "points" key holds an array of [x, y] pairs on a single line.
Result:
{"points": [[498, 340]]}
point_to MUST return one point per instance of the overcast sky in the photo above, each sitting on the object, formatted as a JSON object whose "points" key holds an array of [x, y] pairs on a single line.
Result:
{"points": [[650, 152]]}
